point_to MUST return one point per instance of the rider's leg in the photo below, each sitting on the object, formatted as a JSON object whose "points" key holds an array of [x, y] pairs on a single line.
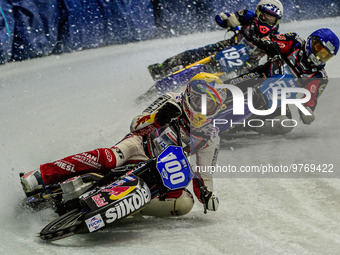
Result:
{"points": [[98, 160], [175, 203]]}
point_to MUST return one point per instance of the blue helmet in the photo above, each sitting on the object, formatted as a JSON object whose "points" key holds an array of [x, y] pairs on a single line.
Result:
{"points": [[321, 46]]}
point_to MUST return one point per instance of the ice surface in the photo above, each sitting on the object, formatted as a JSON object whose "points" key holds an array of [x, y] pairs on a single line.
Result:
{"points": [[61, 105]]}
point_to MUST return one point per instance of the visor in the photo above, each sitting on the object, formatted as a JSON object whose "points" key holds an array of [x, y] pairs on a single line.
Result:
{"points": [[320, 51], [268, 19], [195, 101]]}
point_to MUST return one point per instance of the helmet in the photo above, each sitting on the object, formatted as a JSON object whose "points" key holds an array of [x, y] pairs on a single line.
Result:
{"points": [[269, 14], [199, 87], [321, 46]]}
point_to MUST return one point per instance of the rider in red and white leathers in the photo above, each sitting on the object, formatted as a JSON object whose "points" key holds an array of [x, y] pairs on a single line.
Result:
{"points": [[150, 134]]}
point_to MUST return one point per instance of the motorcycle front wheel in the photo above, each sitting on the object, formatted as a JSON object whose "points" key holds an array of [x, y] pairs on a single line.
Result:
{"points": [[64, 226]]}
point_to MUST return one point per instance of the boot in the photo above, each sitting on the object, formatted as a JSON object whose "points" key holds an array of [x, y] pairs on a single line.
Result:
{"points": [[31, 181]]}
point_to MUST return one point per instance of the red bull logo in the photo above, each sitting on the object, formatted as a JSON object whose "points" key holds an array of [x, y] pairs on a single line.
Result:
{"points": [[119, 192], [144, 119]]}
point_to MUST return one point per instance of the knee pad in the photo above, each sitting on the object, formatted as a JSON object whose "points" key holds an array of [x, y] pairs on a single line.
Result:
{"points": [[276, 127], [176, 203]]}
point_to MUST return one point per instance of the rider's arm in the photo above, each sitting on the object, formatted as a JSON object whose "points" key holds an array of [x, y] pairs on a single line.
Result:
{"points": [[158, 114], [205, 160], [316, 85], [233, 20], [291, 45]]}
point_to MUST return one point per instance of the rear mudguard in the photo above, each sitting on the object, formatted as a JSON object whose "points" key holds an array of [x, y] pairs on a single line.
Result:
{"points": [[114, 202]]}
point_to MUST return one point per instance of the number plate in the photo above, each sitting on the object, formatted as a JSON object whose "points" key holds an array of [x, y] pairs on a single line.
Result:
{"points": [[232, 58], [174, 168]]}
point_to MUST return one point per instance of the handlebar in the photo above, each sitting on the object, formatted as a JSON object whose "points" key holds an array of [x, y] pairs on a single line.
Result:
{"points": [[236, 30]]}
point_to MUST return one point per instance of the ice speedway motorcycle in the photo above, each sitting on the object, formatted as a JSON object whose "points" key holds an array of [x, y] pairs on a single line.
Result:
{"points": [[249, 108], [229, 62], [226, 64], [232, 62], [222, 63], [92, 202]]}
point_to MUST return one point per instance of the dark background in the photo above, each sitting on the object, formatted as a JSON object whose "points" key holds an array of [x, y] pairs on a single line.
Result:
{"points": [[35, 28]]}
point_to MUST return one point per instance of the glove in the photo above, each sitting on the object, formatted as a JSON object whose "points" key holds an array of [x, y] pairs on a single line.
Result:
{"points": [[227, 20], [213, 202], [277, 64], [271, 48], [167, 112], [307, 119], [209, 199]]}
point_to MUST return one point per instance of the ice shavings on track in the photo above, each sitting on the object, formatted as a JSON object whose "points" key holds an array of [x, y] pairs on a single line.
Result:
{"points": [[61, 105]]}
